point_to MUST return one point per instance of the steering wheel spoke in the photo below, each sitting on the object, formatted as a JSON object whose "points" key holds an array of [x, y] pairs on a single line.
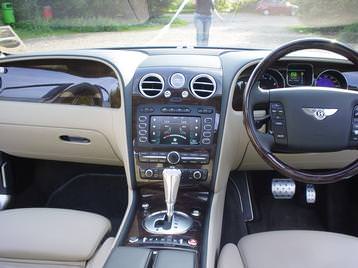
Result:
{"points": [[259, 96]]}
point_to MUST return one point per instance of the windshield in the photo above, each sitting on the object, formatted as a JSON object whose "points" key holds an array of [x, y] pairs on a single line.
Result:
{"points": [[45, 25]]}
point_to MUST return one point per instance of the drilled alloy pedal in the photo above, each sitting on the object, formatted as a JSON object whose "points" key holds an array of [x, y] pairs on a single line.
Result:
{"points": [[310, 194], [283, 188]]}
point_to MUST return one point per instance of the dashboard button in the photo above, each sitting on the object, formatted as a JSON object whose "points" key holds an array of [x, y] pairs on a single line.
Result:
{"points": [[167, 94], [192, 242], [206, 134], [208, 120], [206, 141], [143, 132], [185, 94], [278, 123], [142, 125], [280, 136], [143, 139], [173, 157], [148, 173], [197, 175], [142, 118], [148, 110], [207, 127], [277, 117]]}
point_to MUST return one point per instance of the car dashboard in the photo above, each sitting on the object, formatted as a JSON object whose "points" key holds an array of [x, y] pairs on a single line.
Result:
{"points": [[147, 109]]}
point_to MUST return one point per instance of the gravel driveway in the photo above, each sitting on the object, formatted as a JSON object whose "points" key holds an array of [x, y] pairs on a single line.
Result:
{"points": [[240, 30]]}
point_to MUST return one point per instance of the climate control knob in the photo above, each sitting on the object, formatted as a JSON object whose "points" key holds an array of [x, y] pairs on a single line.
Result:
{"points": [[148, 173], [173, 158], [197, 175]]}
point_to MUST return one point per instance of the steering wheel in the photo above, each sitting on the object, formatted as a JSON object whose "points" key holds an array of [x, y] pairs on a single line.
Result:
{"points": [[304, 119]]}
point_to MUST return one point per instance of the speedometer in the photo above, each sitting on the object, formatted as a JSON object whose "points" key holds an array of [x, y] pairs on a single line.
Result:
{"points": [[331, 78], [272, 79]]}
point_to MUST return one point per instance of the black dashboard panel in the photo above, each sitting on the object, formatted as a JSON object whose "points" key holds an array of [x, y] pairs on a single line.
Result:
{"points": [[64, 81]]}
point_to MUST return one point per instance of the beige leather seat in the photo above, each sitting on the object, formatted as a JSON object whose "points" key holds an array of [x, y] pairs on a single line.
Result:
{"points": [[291, 249], [53, 238]]}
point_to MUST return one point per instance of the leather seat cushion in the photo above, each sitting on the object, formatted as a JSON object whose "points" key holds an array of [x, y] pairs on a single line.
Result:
{"points": [[291, 249], [51, 234]]}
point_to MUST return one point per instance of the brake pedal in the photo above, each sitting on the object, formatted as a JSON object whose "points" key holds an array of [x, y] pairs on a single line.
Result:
{"points": [[310, 194], [283, 188]]}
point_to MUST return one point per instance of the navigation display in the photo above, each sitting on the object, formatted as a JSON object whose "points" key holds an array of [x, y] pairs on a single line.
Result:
{"points": [[296, 77], [299, 75], [175, 130]]}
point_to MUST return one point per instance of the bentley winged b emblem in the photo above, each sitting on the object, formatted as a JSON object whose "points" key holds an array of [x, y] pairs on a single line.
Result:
{"points": [[319, 113]]}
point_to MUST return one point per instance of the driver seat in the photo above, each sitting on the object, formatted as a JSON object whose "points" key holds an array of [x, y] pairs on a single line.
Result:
{"points": [[291, 249]]}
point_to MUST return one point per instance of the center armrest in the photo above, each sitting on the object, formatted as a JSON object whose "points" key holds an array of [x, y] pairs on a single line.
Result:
{"points": [[51, 234], [129, 257]]}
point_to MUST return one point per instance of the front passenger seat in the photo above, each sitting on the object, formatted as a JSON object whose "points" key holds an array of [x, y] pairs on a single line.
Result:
{"points": [[53, 238], [291, 249]]}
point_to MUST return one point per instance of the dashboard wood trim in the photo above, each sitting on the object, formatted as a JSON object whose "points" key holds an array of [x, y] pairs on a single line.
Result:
{"points": [[114, 97]]}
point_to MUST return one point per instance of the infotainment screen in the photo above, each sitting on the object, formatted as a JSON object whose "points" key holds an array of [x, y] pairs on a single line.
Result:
{"points": [[175, 130]]}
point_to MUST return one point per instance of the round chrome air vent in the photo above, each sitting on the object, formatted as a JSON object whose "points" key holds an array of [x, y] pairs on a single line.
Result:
{"points": [[203, 86], [151, 85]]}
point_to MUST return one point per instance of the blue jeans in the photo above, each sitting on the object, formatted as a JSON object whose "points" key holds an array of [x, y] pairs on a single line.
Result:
{"points": [[202, 24]]}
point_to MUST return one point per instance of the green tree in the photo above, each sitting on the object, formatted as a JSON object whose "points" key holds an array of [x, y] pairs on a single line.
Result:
{"points": [[328, 12], [158, 7]]}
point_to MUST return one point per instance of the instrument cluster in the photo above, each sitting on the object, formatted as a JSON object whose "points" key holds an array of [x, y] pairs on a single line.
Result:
{"points": [[299, 75]]}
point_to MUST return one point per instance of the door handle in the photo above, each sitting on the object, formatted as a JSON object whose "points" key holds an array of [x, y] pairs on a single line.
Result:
{"points": [[74, 139]]}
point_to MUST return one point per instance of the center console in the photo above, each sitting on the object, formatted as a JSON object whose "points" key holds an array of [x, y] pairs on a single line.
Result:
{"points": [[176, 114]]}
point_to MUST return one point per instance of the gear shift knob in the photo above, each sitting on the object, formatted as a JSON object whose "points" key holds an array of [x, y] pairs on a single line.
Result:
{"points": [[171, 179]]}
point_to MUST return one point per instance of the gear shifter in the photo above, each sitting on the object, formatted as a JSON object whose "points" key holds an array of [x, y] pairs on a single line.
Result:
{"points": [[169, 221], [171, 179]]}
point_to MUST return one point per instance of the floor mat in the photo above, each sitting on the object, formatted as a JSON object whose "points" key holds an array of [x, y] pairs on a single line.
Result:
{"points": [[284, 215], [98, 193]]}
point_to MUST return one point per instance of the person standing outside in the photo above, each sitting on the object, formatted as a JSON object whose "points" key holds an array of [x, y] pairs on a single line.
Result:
{"points": [[202, 21]]}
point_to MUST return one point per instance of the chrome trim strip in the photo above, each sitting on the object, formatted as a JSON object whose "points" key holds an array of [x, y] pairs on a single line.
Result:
{"points": [[3, 174], [4, 200]]}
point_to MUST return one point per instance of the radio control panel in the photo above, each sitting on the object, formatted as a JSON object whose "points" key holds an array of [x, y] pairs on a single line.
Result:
{"points": [[171, 125]]}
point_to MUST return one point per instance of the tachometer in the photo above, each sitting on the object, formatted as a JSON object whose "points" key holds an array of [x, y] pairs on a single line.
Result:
{"points": [[331, 78], [272, 79]]}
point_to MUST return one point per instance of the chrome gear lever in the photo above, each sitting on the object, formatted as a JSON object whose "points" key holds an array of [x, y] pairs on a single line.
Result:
{"points": [[171, 179], [169, 222]]}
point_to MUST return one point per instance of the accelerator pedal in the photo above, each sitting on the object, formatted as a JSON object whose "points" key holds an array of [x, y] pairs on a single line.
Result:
{"points": [[283, 188]]}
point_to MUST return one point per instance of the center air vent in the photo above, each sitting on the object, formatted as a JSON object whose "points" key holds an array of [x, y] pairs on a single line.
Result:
{"points": [[203, 86], [151, 85]]}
